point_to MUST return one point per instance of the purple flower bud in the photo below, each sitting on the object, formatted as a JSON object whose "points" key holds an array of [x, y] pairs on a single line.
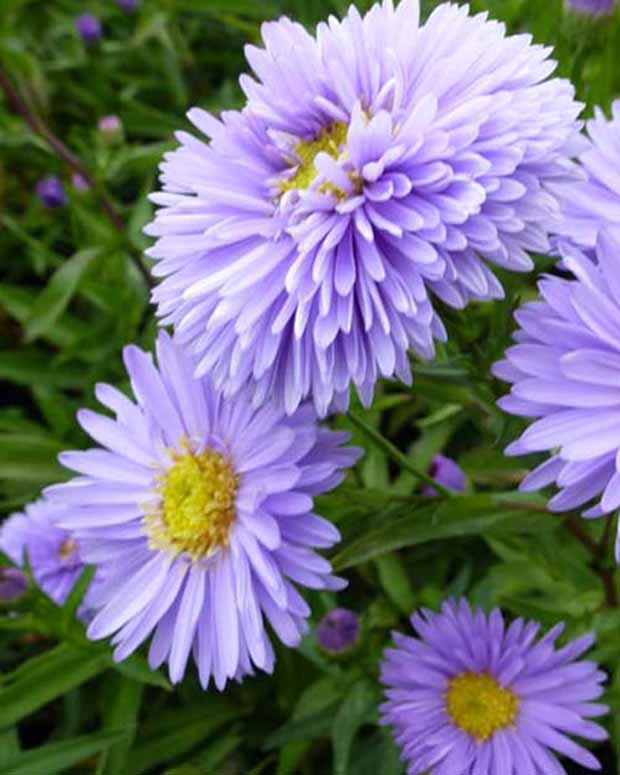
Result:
{"points": [[79, 182], [111, 128], [445, 471], [13, 584], [338, 631], [593, 7], [89, 27], [51, 192], [129, 6]]}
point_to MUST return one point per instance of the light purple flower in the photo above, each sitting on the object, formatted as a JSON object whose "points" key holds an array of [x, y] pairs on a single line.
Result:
{"points": [[53, 554], [594, 7], [13, 584], [51, 192], [338, 631], [129, 6], [473, 696], [374, 165], [198, 510], [88, 27], [79, 182], [565, 375], [110, 128], [590, 204], [447, 472]]}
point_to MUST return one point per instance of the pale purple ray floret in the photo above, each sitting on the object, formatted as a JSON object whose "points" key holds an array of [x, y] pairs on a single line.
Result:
{"points": [[376, 165], [198, 509], [565, 375]]}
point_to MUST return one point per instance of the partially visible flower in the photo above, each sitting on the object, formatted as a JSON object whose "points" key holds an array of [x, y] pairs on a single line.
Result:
{"points": [[473, 696], [198, 511], [338, 631], [375, 165], [13, 584], [129, 6], [111, 129], [565, 375], [589, 205], [51, 192], [79, 182], [52, 553], [594, 7], [88, 27], [447, 472]]}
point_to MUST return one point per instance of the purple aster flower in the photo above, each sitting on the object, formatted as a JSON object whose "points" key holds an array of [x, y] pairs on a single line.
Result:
{"points": [[594, 7], [589, 204], [447, 472], [473, 696], [51, 192], [565, 372], [13, 584], [338, 631], [53, 554], [375, 164], [198, 510], [88, 27]]}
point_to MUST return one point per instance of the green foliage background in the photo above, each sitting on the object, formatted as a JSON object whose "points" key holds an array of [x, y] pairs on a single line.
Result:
{"points": [[73, 292]]}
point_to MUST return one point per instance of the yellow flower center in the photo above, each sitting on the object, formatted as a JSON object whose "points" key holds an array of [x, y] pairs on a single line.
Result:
{"points": [[479, 705], [67, 548], [197, 507], [330, 140]]}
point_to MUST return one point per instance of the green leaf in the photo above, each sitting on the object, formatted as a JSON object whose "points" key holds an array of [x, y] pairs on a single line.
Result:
{"points": [[136, 668], [43, 678], [405, 524], [123, 699], [54, 299], [178, 731], [358, 708], [395, 582], [56, 758]]}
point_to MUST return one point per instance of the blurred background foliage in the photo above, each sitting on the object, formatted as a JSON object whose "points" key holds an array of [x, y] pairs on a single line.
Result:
{"points": [[74, 290]]}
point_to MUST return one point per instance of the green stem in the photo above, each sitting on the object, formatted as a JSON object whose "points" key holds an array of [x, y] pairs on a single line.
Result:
{"points": [[396, 455]]}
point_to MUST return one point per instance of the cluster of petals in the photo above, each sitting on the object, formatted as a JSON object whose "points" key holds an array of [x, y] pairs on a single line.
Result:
{"points": [[216, 606], [554, 693], [301, 277], [565, 375], [592, 203]]}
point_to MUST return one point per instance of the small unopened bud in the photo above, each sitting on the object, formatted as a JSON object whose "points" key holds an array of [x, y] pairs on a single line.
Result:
{"points": [[338, 631], [111, 129], [447, 472], [89, 27], [13, 584], [51, 192]]}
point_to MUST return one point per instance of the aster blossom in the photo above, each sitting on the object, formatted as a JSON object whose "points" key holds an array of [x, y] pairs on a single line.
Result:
{"points": [[198, 511], [472, 695], [52, 553], [565, 371], [594, 203], [374, 165]]}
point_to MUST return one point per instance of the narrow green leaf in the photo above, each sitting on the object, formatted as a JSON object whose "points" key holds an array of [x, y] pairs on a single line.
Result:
{"points": [[358, 708], [121, 709], [54, 299], [41, 679], [58, 757]]}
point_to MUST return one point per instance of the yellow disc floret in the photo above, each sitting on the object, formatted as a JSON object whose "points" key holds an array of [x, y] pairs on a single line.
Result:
{"points": [[197, 506], [479, 705], [330, 140]]}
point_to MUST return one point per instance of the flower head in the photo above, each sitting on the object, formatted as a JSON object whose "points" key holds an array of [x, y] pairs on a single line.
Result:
{"points": [[53, 554], [51, 192], [473, 696], [129, 6], [110, 128], [88, 27], [338, 631], [590, 204], [447, 472], [565, 372], [198, 511], [79, 182], [374, 165], [594, 7]]}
